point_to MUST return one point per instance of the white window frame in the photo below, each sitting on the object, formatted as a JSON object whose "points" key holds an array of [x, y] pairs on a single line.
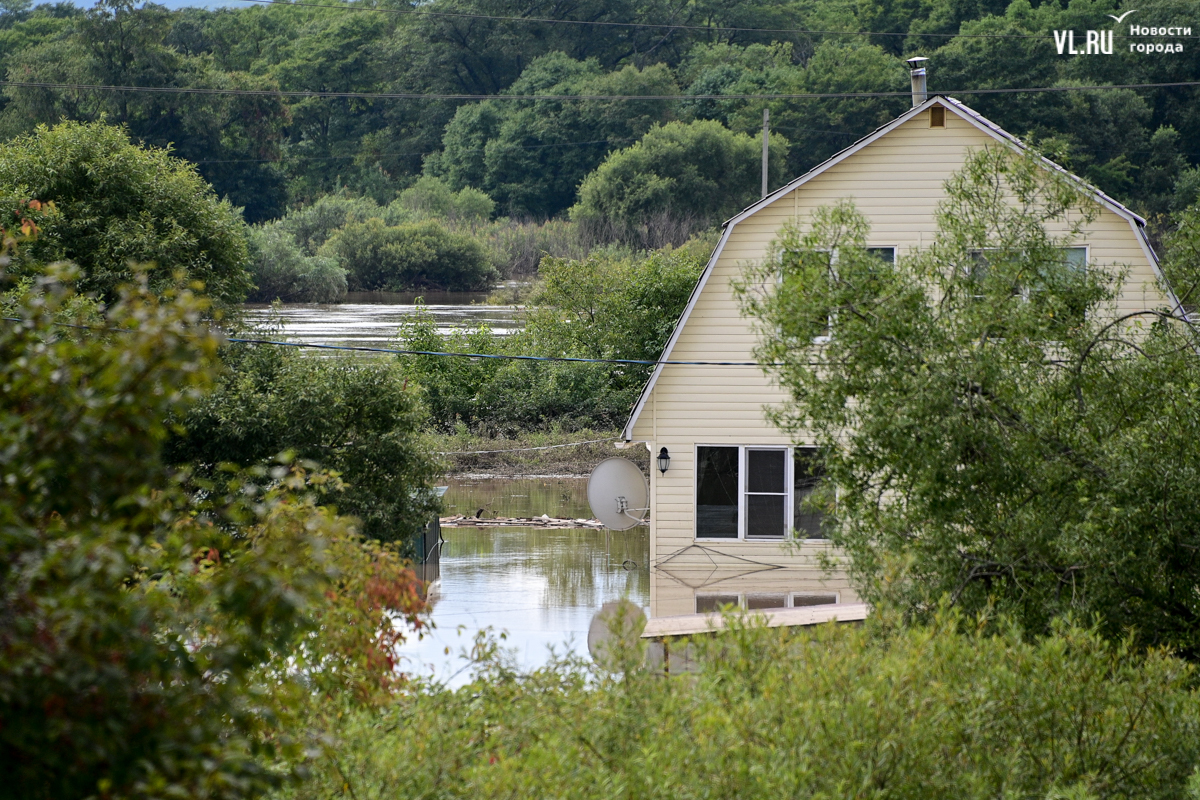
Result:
{"points": [[789, 507], [789, 598], [1024, 291]]}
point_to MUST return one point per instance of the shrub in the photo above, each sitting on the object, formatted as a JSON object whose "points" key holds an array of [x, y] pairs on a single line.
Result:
{"points": [[312, 225], [925, 712], [433, 197], [119, 204], [607, 305], [424, 255], [281, 270]]}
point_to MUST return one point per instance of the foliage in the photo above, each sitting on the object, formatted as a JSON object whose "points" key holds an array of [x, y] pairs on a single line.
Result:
{"points": [[159, 632], [432, 197], [356, 417], [266, 150], [425, 255], [997, 429], [282, 271], [607, 306], [119, 203], [832, 712], [532, 154], [679, 178]]}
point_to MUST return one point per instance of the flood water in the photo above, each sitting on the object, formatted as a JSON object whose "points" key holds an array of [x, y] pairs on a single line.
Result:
{"points": [[540, 587], [372, 319]]}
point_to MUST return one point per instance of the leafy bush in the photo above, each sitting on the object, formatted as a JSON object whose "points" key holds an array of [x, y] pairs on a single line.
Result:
{"points": [[433, 197], [926, 713], [119, 204], [155, 626], [678, 179], [281, 270], [424, 255], [604, 306], [350, 415], [312, 225]]}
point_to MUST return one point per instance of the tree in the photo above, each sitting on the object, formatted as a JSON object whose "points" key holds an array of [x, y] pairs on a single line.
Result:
{"points": [[357, 418], [998, 434], [679, 178], [120, 204], [163, 635], [531, 155]]}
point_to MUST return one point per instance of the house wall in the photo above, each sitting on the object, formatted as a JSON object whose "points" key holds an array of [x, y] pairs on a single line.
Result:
{"points": [[896, 181]]}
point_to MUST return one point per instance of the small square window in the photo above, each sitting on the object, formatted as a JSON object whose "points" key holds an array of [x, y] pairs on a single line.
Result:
{"points": [[937, 117], [803, 600], [710, 603]]}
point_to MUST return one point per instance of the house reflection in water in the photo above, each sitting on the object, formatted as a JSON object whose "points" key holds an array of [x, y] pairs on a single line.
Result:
{"points": [[699, 580]]}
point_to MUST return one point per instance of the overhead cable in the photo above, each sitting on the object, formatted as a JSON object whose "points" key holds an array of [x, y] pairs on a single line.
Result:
{"points": [[669, 26], [616, 97]]}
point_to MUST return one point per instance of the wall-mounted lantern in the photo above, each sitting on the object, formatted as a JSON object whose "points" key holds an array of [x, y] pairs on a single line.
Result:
{"points": [[664, 460]]}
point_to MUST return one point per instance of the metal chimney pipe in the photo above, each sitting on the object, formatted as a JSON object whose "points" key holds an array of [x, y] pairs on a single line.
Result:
{"points": [[916, 67]]}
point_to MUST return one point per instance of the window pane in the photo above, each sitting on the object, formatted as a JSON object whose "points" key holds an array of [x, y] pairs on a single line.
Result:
{"points": [[763, 601], [886, 254], [707, 603], [765, 470], [764, 515], [802, 600], [1076, 257], [807, 471], [717, 492]]}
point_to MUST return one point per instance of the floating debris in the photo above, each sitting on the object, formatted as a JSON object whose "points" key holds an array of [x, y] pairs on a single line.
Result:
{"points": [[544, 521]]}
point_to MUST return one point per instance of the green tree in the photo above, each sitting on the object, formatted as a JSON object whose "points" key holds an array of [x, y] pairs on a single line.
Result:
{"points": [[531, 155], [1002, 434], [156, 626], [679, 178], [396, 258], [121, 204]]}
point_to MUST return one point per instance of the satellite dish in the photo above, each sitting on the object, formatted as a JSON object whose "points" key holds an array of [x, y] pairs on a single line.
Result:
{"points": [[618, 494], [616, 629]]}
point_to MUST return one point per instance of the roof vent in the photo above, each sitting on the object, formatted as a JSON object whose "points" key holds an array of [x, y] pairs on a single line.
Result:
{"points": [[916, 66]]}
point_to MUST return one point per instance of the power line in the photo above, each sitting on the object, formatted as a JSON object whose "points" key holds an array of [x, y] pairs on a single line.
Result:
{"points": [[496, 356], [625, 97], [400, 155], [669, 26]]}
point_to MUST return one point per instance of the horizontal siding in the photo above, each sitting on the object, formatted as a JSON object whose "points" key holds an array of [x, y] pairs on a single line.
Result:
{"points": [[897, 183]]}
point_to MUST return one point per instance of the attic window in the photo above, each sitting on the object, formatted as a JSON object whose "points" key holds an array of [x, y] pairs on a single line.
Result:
{"points": [[937, 117]]}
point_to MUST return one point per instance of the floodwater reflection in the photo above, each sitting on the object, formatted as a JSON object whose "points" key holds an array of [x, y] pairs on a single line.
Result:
{"points": [[539, 586]]}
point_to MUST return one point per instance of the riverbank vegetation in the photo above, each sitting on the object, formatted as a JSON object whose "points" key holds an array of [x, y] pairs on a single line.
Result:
{"points": [[949, 710], [612, 307]]}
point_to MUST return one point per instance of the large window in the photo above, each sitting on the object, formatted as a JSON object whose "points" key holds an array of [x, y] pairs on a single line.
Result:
{"points": [[757, 492]]}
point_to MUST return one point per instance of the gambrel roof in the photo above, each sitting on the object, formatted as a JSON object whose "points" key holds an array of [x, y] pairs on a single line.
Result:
{"points": [[1136, 223]]}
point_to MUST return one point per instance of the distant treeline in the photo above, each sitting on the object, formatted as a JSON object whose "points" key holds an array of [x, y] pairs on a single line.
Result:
{"points": [[537, 159]]}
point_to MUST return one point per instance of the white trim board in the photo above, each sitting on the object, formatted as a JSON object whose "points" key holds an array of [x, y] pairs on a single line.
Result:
{"points": [[1136, 222]]}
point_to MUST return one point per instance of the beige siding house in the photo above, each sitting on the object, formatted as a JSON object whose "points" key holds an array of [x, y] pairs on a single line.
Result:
{"points": [[723, 518]]}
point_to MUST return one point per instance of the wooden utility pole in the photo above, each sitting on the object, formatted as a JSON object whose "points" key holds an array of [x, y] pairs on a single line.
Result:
{"points": [[766, 141]]}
